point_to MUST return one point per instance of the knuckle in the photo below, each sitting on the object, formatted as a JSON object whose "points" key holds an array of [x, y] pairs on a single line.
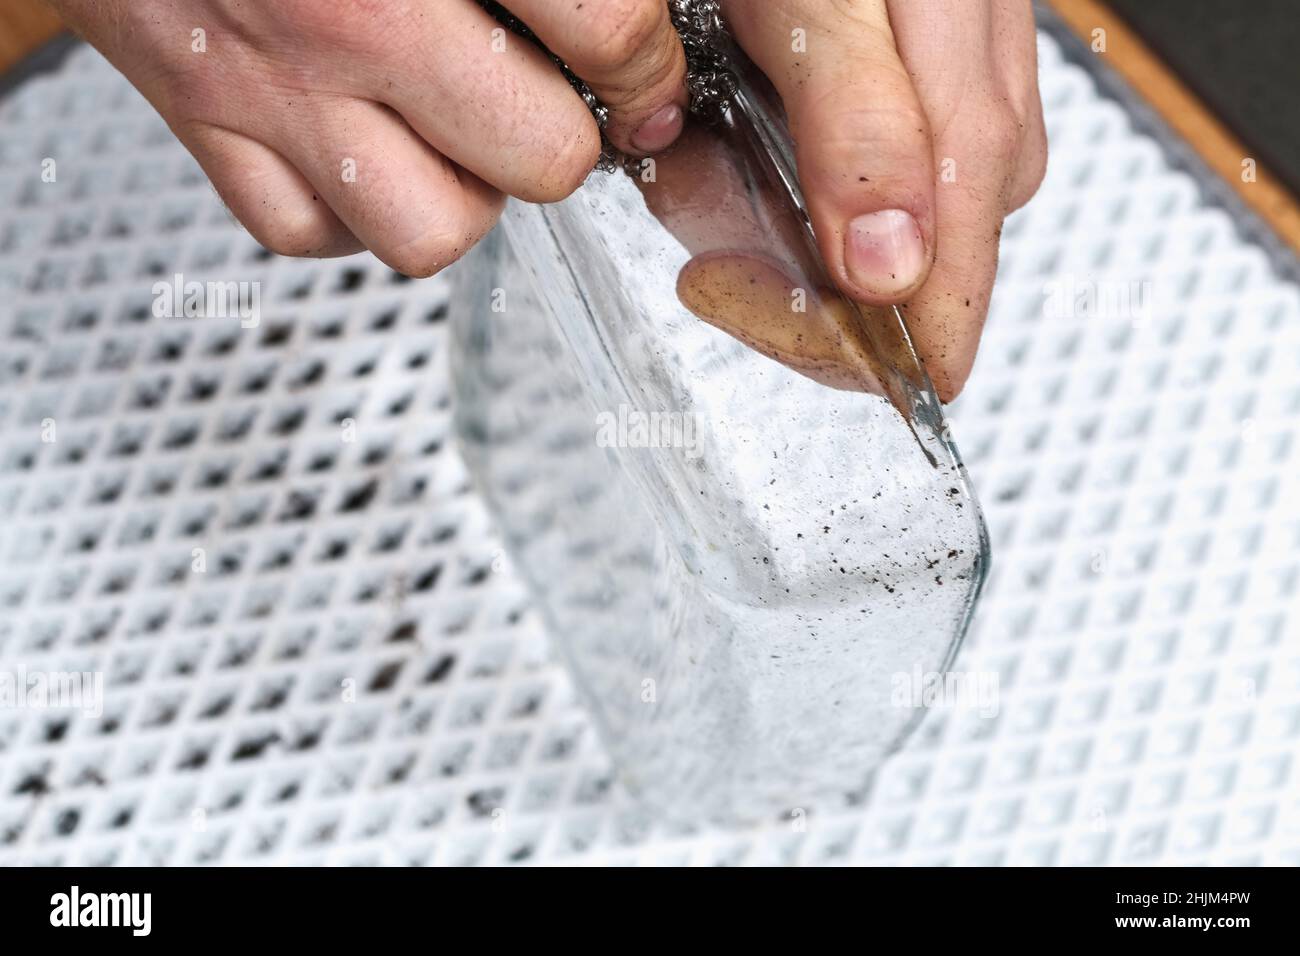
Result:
{"points": [[293, 233], [854, 12], [432, 252], [880, 140], [345, 24], [992, 144], [564, 169], [192, 88], [622, 29], [1002, 132], [542, 161], [1032, 169]]}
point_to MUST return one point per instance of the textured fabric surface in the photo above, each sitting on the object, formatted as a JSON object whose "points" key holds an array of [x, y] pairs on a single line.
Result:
{"points": [[356, 676]]}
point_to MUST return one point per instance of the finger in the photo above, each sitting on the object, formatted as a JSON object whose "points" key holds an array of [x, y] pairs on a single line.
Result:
{"points": [[272, 200], [977, 154], [946, 316], [1015, 49], [490, 101], [629, 54], [863, 140], [411, 206], [1031, 167]]}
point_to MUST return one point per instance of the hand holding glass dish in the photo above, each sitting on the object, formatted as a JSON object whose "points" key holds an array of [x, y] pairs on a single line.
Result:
{"points": [[737, 611]]}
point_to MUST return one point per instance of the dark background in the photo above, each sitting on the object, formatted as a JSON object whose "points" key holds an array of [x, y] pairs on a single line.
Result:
{"points": [[1242, 57]]}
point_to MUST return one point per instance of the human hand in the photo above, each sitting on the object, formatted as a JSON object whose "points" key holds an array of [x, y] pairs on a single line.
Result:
{"points": [[918, 128], [396, 125], [328, 125]]}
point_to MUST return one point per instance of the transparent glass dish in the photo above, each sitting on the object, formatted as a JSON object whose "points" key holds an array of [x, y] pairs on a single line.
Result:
{"points": [[730, 489]]}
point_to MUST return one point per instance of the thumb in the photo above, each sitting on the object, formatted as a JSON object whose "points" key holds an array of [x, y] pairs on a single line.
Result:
{"points": [[862, 139]]}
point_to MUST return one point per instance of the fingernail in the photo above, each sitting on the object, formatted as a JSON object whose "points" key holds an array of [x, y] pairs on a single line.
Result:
{"points": [[659, 131], [885, 252]]}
